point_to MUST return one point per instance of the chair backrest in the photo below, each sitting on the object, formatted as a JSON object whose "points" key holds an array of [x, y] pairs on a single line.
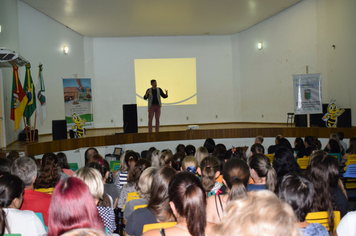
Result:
{"points": [[132, 195], [270, 157], [116, 166], [39, 215], [337, 155], [112, 165], [303, 162], [73, 166], [351, 159], [163, 225], [322, 218], [140, 206]]}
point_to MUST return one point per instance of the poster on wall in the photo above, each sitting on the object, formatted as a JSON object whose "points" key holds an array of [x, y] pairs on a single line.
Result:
{"points": [[307, 94], [78, 103]]}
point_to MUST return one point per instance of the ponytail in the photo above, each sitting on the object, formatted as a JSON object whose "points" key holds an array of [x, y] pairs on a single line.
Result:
{"points": [[237, 190], [236, 176], [271, 178], [209, 166], [262, 166]]}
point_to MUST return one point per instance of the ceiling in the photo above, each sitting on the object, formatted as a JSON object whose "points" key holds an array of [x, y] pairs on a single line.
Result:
{"points": [[127, 18]]}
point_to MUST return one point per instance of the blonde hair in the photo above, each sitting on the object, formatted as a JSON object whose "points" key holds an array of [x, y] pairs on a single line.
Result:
{"points": [[123, 166], [145, 182], [93, 179], [201, 153], [259, 213], [189, 161]]}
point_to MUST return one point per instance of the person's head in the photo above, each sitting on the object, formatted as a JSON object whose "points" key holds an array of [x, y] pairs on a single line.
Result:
{"points": [[201, 153], [123, 165], [97, 166], [340, 135], [283, 142], [136, 172], [145, 182], [236, 175], [335, 137], [333, 146], [189, 150], [5, 167], [62, 160], [156, 155], [26, 169], [259, 213], [209, 144], [220, 153], [89, 153], [131, 158], [166, 158], [284, 162], [11, 191], [352, 145], [298, 192], [188, 202], [49, 159], [278, 137], [261, 169], [309, 141], [299, 144], [72, 206], [190, 164], [12, 156], [209, 170], [98, 158], [220, 145], [154, 83], [323, 172], [49, 172], [259, 139], [180, 148], [257, 148], [93, 179], [159, 201]]}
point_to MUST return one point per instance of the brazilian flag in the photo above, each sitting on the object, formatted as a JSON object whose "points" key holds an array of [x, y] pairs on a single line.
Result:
{"points": [[30, 93]]}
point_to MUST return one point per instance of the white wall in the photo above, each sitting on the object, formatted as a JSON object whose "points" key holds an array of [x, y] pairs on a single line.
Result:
{"points": [[114, 80]]}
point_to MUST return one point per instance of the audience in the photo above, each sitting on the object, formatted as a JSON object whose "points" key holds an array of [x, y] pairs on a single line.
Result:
{"points": [[201, 153], [352, 148], [262, 172], [190, 164], [13, 220], [341, 138], [73, 207], [189, 150], [25, 168], [284, 162], [209, 144], [257, 148], [209, 171], [89, 153], [236, 176], [310, 146], [63, 164], [166, 159], [298, 192], [130, 158], [259, 139], [272, 148], [259, 213], [298, 144], [180, 148], [49, 174]]}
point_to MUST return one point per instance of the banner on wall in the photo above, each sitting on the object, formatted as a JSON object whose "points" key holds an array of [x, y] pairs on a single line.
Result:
{"points": [[307, 94], [78, 102]]}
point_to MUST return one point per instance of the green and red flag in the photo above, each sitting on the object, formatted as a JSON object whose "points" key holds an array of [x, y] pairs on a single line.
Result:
{"points": [[18, 99], [30, 93]]}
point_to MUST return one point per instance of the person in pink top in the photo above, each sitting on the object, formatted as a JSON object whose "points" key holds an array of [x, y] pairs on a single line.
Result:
{"points": [[25, 168]]}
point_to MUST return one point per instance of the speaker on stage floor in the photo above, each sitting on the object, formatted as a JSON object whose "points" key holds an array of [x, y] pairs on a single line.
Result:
{"points": [[130, 118], [59, 129]]}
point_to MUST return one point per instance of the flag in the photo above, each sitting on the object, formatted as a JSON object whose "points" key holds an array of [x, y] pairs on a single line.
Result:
{"points": [[41, 98], [30, 93], [18, 99]]}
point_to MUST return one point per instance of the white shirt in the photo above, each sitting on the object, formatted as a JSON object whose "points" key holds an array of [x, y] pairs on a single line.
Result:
{"points": [[25, 223], [347, 225]]}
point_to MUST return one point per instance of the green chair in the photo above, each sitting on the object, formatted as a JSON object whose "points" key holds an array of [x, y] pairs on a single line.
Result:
{"points": [[39, 215], [73, 166], [112, 165]]}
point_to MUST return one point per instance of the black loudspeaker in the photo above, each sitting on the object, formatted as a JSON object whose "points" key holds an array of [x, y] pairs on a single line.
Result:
{"points": [[59, 129], [130, 118]]}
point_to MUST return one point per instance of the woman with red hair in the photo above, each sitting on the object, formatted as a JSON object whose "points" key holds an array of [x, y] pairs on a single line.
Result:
{"points": [[72, 206]]}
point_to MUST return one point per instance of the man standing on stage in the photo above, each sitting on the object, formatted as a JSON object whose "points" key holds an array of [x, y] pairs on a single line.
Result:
{"points": [[154, 95]]}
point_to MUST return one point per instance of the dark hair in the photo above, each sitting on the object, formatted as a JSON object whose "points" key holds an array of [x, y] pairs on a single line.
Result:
{"points": [[352, 147], [298, 192], [209, 166], [166, 158], [153, 80], [89, 153], [311, 142], [188, 196], [11, 187], [177, 160], [49, 173], [136, 172], [98, 166], [323, 172], [12, 156], [283, 142], [262, 166], [341, 135], [220, 153], [131, 156], [62, 160], [220, 145], [299, 144], [189, 150], [144, 154], [284, 162], [257, 148], [4, 166], [334, 146], [159, 201], [209, 144], [236, 175], [180, 148], [260, 138]]}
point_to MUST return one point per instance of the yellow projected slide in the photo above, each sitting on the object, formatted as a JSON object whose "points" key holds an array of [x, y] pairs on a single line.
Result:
{"points": [[177, 75]]}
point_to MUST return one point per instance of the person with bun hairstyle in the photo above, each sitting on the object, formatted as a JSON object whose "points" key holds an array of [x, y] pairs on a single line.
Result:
{"points": [[209, 171], [190, 164], [13, 220], [257, 148], [188, 203], [262, 172], [235, 176], [73, 207]]}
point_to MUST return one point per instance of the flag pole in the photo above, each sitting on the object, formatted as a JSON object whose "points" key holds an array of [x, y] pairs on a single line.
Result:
{"points": [[34, 129], [24, 121], [29, 121]]}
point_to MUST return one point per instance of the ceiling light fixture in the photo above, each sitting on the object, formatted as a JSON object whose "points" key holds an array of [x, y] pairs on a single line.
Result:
{"points": [[65, 50], [259, 45]]}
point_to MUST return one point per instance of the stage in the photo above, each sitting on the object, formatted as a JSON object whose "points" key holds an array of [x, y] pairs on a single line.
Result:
{"points": [[115, 136]]}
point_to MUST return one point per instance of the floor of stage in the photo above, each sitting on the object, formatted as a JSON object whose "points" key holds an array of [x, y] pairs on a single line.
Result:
{"points": [[20, 146]]}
